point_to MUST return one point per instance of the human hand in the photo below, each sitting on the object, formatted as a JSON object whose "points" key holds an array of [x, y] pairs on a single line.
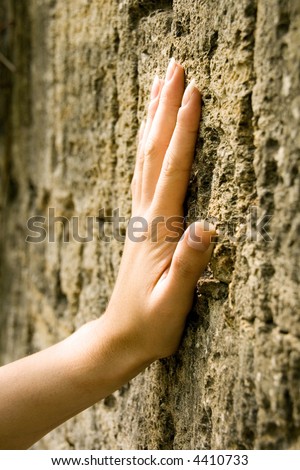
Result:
{"points": [[145, 318], [158, 273]]}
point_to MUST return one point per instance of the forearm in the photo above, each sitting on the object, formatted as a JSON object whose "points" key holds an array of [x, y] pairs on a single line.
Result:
{"points": [[41, 391]]}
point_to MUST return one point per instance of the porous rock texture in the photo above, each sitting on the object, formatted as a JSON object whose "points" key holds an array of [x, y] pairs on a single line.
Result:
{"points": [[69, 119]]}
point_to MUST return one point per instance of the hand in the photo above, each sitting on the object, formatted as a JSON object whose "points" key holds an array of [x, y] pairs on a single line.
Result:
{"points": [[158, 273], [145, 318]]}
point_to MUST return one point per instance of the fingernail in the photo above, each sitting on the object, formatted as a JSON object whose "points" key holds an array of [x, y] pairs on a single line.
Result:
{"points": [[188, 92], [171, 69], [201, 242], [155, 88]]}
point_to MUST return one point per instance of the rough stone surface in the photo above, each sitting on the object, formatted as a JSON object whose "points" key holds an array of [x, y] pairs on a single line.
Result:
{"points": [[68, 141]]}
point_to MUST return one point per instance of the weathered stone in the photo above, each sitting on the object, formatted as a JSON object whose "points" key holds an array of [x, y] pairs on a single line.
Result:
{"points": [[84, 69]]}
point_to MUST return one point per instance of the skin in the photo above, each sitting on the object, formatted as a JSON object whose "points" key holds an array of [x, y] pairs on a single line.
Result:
{"points": [[146, 315]]}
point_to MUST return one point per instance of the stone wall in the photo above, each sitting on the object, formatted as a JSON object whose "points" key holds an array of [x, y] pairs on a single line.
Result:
{"points": [[68, 142]]}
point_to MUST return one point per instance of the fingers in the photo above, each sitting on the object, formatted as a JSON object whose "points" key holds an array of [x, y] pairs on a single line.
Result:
{"points": [[174, 177], [162, 129], [190, 258], [136, 185], [167, 143], [153, 105]]}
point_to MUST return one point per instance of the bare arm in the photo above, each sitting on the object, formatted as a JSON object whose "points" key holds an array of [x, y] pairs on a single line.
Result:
{"points": [[146, 315]]}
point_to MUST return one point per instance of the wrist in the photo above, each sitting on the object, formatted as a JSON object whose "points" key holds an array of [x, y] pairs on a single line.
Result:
{"points": [[105, 359]]}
